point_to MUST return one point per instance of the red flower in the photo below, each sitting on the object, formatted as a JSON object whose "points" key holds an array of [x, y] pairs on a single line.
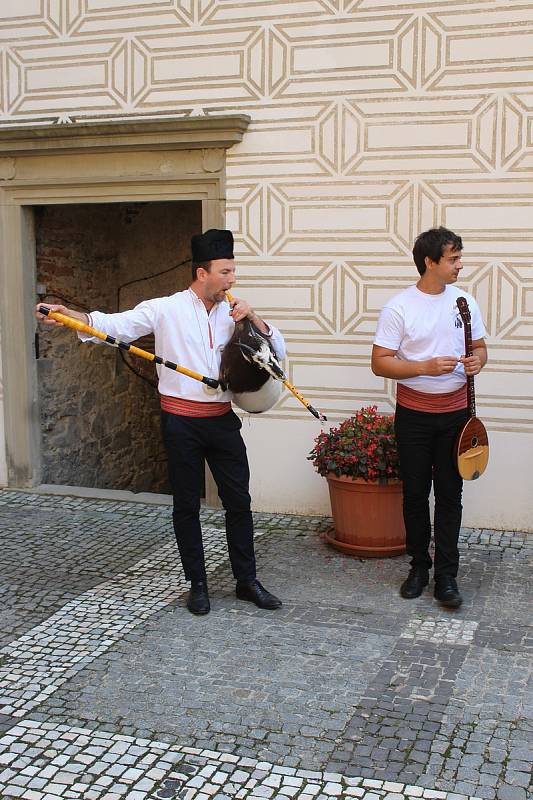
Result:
{"points": [[362, 446]]}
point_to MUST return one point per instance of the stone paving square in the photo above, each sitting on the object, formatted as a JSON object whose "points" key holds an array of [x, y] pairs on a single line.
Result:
{"points": [[110, 689]]}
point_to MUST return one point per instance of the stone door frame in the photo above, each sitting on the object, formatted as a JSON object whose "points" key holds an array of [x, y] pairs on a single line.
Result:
{"points": [[104, 162]]}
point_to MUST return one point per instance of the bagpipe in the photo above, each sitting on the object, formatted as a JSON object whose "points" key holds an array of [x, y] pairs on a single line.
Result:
{"points": [[249, 367]]}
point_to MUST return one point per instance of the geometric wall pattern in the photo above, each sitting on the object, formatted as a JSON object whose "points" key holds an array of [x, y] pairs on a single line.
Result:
{"points": [[371, 120]]}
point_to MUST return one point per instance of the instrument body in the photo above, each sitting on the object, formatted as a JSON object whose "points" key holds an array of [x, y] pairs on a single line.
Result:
{"points": [[239, 371], [472, 445], [254, 389]]}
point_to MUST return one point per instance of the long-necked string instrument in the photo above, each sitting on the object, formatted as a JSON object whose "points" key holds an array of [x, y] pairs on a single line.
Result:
{"points": [[77, 325], [472, 445], [277, 373]]}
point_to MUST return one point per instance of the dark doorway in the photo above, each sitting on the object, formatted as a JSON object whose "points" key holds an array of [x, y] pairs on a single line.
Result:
{"points": [[99, 407]]}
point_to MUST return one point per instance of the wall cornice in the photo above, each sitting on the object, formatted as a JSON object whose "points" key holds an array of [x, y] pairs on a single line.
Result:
{"points": [[189, 133]]}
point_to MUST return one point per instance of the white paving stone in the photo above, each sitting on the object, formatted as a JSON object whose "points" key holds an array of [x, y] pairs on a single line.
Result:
{"points": [[452, 631]]}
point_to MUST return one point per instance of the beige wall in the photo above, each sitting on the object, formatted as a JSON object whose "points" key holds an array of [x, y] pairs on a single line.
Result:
{"points": [[371, 120]]}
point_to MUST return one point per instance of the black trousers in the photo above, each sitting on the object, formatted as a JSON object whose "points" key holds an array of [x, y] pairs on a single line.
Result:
{"points": [[188, 441], [426, 449]]}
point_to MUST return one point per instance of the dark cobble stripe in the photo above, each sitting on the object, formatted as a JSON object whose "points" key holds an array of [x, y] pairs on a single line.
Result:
{"points": [[409, 694]]}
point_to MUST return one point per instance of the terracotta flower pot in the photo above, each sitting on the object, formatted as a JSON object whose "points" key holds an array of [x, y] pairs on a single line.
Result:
{"points": [[367, 517]]}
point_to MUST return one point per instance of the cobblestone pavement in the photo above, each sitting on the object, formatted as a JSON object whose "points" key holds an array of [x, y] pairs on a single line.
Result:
{"points": [[110, 689]]}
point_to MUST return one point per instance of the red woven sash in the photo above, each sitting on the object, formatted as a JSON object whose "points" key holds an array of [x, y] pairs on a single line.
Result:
{"points": [[193, 408], [433, 403]]}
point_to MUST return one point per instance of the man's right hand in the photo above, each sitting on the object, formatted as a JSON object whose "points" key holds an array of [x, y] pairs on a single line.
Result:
{"points": [[440, 365], [68, 312]]}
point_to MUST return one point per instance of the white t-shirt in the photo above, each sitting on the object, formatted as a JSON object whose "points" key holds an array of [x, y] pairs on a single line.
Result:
{"points": [[185, 334], [420, 326]]}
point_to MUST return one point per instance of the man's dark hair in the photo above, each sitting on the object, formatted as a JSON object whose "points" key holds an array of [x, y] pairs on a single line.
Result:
{"points": [[432, 243], [204, 264]]}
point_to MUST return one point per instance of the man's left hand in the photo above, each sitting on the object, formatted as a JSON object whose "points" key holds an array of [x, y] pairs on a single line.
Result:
{"points": [[472, 364]]}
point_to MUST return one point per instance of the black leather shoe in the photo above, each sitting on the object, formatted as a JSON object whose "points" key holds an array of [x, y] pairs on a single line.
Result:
{"points": [[414, 584], [198, 600], [446, 591], [257, 594]]}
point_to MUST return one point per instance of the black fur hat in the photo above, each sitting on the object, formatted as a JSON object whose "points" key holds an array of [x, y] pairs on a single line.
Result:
{"points": [[211, 245]]}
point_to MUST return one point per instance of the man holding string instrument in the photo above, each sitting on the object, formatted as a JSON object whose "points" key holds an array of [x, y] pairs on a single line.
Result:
{"points": [[197, 422], [419, 343]]}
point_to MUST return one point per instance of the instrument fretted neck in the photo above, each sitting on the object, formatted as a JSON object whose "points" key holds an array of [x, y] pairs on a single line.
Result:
{"points": [[471, 395]]}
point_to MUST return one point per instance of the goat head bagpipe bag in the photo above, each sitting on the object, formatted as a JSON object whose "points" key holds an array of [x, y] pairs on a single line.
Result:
{"points": [[249, 368]]}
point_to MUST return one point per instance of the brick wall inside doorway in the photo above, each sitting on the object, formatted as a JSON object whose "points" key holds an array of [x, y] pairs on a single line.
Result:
{"points": [[99, 418]]}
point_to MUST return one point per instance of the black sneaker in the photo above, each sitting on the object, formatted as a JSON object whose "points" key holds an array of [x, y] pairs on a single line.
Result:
{"points": [[446, 591], [415, 583]]}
